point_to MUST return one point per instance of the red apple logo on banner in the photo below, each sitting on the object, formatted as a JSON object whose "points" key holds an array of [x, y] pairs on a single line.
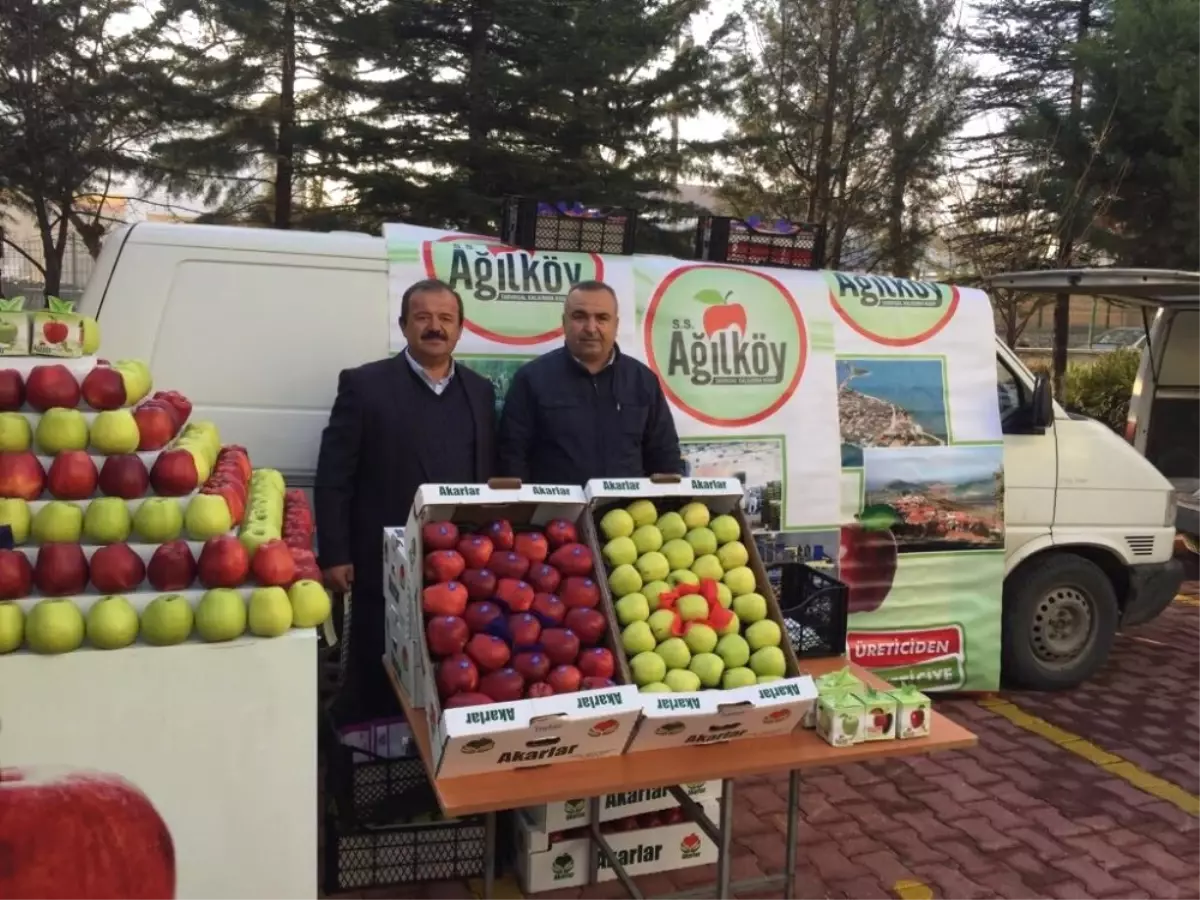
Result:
{"points": [[867, 556], [81, 835], [721, 314]]}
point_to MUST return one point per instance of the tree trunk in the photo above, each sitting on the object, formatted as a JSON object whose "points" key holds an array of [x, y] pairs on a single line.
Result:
{"points": [[478, 178], [818, 204], [285, 142]]}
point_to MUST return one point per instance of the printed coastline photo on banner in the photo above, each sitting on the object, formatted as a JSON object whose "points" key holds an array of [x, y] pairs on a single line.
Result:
{"points": [[759, 463], [890, 402]]}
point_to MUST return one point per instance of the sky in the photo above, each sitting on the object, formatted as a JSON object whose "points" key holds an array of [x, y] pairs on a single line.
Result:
{"points": [[922, 465]]}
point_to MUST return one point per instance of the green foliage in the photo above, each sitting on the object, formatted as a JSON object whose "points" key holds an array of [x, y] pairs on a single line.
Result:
{"points": [[1101, 388]]}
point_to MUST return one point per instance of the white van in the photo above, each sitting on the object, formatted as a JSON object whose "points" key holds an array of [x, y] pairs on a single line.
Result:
{"points": [[253, 326]]}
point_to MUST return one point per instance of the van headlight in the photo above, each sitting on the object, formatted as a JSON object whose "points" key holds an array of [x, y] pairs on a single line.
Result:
{"points": [[1169, 518]]}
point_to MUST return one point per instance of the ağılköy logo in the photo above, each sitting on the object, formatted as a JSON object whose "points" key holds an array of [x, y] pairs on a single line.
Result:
{"points": [[896, 312]]}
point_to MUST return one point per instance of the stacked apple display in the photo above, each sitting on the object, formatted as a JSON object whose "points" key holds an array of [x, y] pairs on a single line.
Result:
{"points": [[512, 614], [116, 503], [687, 601]]}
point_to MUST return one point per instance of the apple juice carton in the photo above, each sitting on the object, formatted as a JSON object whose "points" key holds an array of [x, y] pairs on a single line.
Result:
{"points": [[56, 330], [14, 327], [833, 682], [914, 712], [840, 718], [879, 714]]}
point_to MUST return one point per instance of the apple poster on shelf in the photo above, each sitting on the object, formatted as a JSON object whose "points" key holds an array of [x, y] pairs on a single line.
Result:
{"points": [[858, 411]]}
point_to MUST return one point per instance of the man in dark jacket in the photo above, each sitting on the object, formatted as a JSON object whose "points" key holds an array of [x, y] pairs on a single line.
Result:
{"points": [[587, 410], [396, 424]]}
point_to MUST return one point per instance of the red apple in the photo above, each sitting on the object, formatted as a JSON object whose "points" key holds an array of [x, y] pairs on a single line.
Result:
{"points": [[172, 567], [72, 476], [532, 545], [592, 683], [549, 608], [155, 425], [456, 675], [231, 492], [589, 624], [480, 583], [103, 388], [580, 592], [446, 599], [183, 406], [539, 689], [55, 385], [503, 685], [174, 473], [446, 635], [60, 570], [223, 562], [488, 652], [480, 615], [572, 559], [564, 679], [468, 699], [476, 550], [21, 476], [544, 578], [116, 569], [532, 665], [561, 645], [273, 564], [125, 476], [439, 536], [500, 533], [172, 414], [16, 575], [723, 315], [507, 564], [559, 532], [596, 662], [12, 390], [516, 595], [524, 629], [443, 565], [866, 565], [117, 843]]}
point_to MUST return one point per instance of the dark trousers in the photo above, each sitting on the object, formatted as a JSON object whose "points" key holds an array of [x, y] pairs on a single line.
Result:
{"points": [[367, 693]]}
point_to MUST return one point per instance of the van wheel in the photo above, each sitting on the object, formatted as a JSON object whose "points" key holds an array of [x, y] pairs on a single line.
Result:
{"points": [[1060, 618]]}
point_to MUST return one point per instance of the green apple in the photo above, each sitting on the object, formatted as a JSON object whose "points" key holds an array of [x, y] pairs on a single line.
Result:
{"points": [[15, 433], [766, 679], [642, 512], [652, 566], [768, 661], [253, 536], [270, 612], [733, 650], [695, 515], [632, 608], [15, 513], [726, 529], [205, 434], [654, 687], [624, 580], [692, 607], [107, 521], [59, 521], [647, 667], [708, 567], [136, 375], [61, 429], [54, 626], [12, 626], [653, 590], [310, 603], [167, 620], [703, 541], [679, 553], [733, 555], [700, 638], [647, 538], [158, 520], [750, 608], [683, 681], [638, 638], [724, 595], [221, 615], [115, 431], [708, 668], [733, 626], [682, 576], [763, 633], [850, 724], [740, 581], [616, 523], [620, 551], [662, 623], [207, 516], [738, 677], [671, 526], [675, 653], [112, 623]]}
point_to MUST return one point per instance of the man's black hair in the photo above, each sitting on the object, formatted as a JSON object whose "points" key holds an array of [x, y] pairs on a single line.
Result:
{"points": [[593, 285], [421, 287]]}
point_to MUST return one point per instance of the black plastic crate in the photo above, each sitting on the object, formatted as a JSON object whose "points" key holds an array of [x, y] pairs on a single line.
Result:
{"points": [[815, 607], [759, 242], [567, 227], [382, 827]]}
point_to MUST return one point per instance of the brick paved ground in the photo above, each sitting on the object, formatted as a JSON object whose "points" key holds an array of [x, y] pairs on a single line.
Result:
{"points": [[1016, 817]]}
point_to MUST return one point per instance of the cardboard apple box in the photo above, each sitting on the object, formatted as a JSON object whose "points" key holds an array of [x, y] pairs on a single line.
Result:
{"points": [[573, 813], [709, 716], [402, 621], [523, 733]]}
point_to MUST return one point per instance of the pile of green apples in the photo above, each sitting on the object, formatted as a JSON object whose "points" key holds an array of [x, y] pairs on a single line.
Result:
{"points": [[674, 641]]}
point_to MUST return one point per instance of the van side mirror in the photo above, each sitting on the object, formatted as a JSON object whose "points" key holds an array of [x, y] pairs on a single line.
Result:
{"points": [[1041, 403]]}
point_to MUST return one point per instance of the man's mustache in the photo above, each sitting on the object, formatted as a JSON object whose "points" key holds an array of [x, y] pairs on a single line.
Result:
{"points": [[434, 336]]}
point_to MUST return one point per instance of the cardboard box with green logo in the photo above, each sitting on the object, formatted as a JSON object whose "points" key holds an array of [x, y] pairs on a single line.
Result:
{"points": [[840, 717], [913, 712]]}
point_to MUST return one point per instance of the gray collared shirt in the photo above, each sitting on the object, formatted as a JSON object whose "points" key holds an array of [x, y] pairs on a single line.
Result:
{"points": [[437, 385]]}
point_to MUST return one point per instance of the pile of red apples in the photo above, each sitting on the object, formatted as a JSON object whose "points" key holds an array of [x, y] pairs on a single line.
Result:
{"points": [[512, 613]]}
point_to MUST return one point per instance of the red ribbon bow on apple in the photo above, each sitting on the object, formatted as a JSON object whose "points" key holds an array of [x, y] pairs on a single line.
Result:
{"points": [[718, 616]]}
